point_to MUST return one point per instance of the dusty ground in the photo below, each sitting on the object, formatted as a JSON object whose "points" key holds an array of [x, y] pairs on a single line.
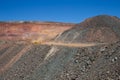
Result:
{"points": [[93, 63], [98, 62]]}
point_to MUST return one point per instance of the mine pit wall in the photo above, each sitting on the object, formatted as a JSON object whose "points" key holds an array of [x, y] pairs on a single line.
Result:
{"points": [[32, 30]]}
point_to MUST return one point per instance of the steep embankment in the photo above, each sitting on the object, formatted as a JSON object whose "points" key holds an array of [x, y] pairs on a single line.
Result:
{"points": [[23, 64], [92, 63], [88, 63], [8, 57], [97, 29]]}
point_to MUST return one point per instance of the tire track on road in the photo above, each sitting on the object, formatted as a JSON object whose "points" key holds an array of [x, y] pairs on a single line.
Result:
{"points": [[15, 58]]}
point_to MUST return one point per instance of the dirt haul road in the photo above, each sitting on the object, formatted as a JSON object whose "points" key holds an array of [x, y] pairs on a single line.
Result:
{"points": [[72, 44]]}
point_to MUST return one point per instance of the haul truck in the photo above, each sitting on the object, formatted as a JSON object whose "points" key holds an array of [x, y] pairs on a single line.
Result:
{"points": [[38, 41]]}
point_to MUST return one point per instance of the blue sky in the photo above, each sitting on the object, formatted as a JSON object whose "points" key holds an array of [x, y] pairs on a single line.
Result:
{"points": [[56, 10]]}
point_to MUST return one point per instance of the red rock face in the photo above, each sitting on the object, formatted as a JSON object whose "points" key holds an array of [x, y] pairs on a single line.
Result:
{"points": [[31, 30]]}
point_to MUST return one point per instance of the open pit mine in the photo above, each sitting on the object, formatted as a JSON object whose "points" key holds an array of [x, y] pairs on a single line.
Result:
{"points": [[89, 50]]}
